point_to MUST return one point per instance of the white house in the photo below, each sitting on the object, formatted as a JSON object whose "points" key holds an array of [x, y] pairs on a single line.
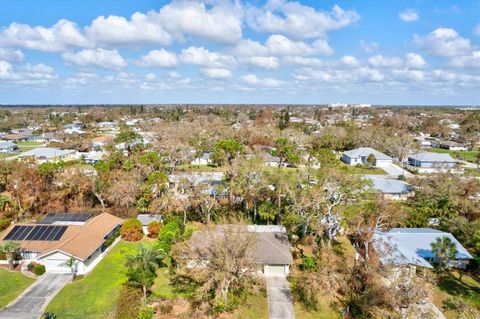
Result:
{"points": [[202, 160], [61, 237], [48, 154], [7, 147], [412, 246], [392, 189], [360, 155]]}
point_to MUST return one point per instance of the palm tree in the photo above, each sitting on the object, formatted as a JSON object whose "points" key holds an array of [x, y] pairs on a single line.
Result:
{"points": [[72, 264], [49, 315], [10, 248], [142, 267], [445, 251]]}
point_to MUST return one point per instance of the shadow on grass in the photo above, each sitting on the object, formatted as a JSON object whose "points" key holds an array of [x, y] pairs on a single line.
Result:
{"points": [[460, 288]]}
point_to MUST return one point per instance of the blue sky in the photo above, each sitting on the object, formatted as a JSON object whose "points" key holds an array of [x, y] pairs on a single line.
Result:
{"points": [[222, 51]]}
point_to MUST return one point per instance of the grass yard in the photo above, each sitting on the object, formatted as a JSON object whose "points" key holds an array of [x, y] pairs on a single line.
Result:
{"points": [[349, 169], [472, 172], [27, 146], [12, 284], [254, 307], [468, 289], [200, 168], [161, 287], [469, 156], [322, 313], [93, 296], [5, 155]]}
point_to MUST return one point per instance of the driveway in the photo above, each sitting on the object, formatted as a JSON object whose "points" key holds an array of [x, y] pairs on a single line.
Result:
{"points": [[280, 304], [32, 303], [395, 171]]}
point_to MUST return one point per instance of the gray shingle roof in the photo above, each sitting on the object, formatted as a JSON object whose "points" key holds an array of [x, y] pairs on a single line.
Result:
{"points": [[146, 219], [433, 157], [365, 151], [46, 152]]}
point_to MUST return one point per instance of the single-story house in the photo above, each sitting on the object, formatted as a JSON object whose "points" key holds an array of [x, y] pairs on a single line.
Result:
{"points": [[271, 160], [428, 162], [47, 137], [92, 157], [202, 160], [392, 189], [272, 251], [20, 135], [360, 156], [48, 154], [412, 246], [453, 146], [7, 147], [146, 219], [60, 237]]}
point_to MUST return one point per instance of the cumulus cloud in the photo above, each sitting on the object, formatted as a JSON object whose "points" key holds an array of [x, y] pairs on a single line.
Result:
{"points": [[297, 20], [384, 62], [369, 47], [349, 61], [106, 59], [443, 42], [11, 55], [220, 22], [116, 30], [217, 73], [160, 58], [264, 62], [413, 60], [408, 15], [408, 75], [253, 80], [59, 37], [27, 74], [470, 61], [203, 57]]}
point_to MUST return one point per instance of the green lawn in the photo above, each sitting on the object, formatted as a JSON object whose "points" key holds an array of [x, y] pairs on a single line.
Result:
{"points": [[472, 172], [161, 287], [349, 169], [469, 156], [467, 288], [93, 296], [254, 307], [5, 155], [322, 313], [12, 284], [26, 146]]}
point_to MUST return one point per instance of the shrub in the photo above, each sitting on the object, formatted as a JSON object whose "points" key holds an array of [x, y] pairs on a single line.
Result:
{"points": [[168, 234], [4, 223], [308, 262], [146, 313], [154, 229], [110, 240], [16, 256], [131, 230], [39, 269], [128, 302]]}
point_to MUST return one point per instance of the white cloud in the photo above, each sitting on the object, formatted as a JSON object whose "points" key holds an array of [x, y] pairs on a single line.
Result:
{"points": [[203, 57], [280, 45], [174, 75], [471, 61], [415, 61], [384, 62], [443, 42], [11, 55], [252, 79], [369, 74], [5, 70], [408, 75], [298, 20], [408, 15], [265, 62], [350, 61], [303, 61], [160, 58], [115, 30], [59, 37], [220, 21], [107, 59], [27, 74], [217, 73]]}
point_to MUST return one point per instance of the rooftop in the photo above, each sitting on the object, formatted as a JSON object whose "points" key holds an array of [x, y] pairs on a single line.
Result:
{"points": [[433, 157], [365, 152]]}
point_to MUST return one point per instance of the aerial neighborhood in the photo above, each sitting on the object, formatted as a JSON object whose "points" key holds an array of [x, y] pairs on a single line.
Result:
{"points": [[213, 205]]}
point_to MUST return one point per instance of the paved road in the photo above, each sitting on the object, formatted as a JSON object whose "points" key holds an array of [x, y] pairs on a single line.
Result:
{"points": [[280, 304], [395, 170], [31, 304]]}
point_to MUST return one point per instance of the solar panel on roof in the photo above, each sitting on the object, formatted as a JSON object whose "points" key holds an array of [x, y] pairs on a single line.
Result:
{"points": [[22, 233], [53, 233], [12, 232], [65, 217], [59, 234], [47, 232], [32, 234], [41, 232]]}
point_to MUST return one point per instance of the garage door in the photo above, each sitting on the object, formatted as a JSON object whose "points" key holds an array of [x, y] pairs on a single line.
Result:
{"points": [[56, 265], [275, 270]]}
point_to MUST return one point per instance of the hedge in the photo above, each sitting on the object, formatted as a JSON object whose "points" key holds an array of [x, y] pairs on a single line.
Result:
{"points": [[131, 230]]}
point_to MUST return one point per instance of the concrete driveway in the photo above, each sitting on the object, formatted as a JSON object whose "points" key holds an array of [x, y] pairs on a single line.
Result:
{"points": [[32, 303], [280, 304]]}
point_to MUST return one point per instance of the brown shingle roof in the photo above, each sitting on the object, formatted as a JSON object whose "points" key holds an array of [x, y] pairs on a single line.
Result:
{"points": [[79, 241]]}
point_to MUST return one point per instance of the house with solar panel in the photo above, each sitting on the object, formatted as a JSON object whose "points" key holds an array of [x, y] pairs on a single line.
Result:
{"points": [[412, 247], [359, 156], [62, 236]]}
